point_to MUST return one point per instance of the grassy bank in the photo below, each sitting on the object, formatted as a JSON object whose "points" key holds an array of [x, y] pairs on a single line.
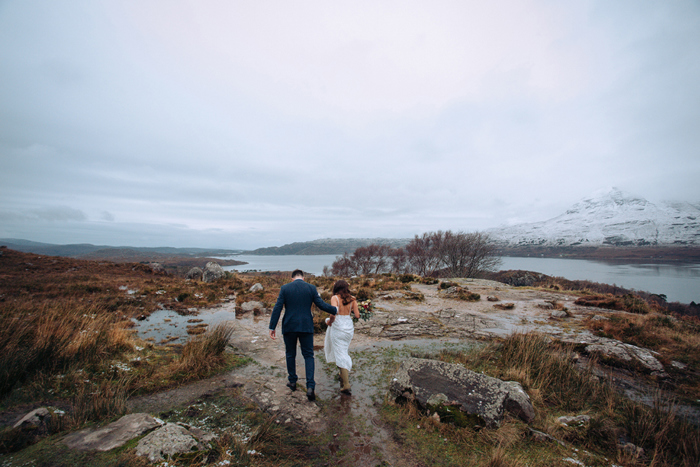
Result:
{"points": [[556, 388]]}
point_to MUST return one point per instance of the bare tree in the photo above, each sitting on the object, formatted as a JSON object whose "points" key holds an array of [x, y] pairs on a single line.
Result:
{"points": [[399, 261], [424, 253], [344, 266], [468, 254]]}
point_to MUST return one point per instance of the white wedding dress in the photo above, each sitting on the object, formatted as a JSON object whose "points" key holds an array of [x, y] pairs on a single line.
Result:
{"points": [[337, 341]]}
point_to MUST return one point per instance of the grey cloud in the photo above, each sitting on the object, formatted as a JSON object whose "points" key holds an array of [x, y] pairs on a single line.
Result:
{"points": [[107, 216], [59, 214]]}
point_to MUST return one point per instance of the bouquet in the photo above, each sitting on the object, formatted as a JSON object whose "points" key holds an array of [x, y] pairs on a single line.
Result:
{"points": [[365, 309]]}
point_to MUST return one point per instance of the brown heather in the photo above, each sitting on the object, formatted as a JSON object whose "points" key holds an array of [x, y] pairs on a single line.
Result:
{"points": [[66, 338]]}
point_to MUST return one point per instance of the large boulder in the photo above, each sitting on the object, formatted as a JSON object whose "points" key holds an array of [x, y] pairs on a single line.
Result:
{"points": [[195, 273], [170, 440], [213, 272], [438, 385], [257, 287], [612, 349]]}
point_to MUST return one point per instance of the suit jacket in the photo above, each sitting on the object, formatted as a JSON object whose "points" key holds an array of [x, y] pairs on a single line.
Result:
{"points": [[296, 297]]}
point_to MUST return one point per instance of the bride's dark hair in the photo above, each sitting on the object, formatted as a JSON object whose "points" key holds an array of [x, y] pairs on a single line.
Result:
{"points": [[342, 288]]}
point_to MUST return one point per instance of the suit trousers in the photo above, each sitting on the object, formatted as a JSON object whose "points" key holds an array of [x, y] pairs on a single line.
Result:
{"points": [[306, 342]]}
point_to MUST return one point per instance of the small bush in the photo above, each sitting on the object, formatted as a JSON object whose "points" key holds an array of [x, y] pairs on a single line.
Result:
{"points": [[468, 296], [364, 293], [407, 278]]}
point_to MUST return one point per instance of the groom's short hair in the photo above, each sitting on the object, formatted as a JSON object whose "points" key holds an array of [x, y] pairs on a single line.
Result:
{"points": [[297, 273]]}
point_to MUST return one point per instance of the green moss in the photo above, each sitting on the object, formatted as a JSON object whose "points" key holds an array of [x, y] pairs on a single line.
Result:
{"points": [[457, 417]]}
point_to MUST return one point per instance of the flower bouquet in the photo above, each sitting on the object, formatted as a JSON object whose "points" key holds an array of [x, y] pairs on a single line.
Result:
{"points": [[366, 310]]}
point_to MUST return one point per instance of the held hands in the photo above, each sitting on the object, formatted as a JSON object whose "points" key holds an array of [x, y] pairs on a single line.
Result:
{"points": [[329, 321]]}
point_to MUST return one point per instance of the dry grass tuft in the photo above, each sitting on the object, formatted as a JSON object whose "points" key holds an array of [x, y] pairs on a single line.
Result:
{"points": [[203, 354]]}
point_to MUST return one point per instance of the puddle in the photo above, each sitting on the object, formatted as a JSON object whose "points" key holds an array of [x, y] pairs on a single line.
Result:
{"points": [[167, 326]]}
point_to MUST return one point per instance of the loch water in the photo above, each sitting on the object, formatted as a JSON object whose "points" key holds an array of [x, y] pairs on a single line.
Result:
{"points": [[680, 282]]}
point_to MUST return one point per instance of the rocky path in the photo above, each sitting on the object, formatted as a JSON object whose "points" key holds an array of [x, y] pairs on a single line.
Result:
{"points": [[399, 327]]}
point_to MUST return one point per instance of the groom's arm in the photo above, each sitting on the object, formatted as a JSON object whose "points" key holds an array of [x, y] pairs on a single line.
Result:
{"points": [[323, 306], [276, 312]]}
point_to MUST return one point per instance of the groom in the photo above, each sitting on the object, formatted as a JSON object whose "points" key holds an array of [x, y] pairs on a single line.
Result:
{"points": [[296, 297]]}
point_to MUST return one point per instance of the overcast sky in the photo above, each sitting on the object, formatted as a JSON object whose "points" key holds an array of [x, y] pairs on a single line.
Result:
{"points": [[242, 124]]}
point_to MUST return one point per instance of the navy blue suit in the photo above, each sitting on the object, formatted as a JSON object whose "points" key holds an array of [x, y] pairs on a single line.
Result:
{"points": [[297, 324]]}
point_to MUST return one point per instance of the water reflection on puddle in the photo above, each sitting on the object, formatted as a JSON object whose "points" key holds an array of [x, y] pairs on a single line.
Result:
{"points": [[167, 326]]}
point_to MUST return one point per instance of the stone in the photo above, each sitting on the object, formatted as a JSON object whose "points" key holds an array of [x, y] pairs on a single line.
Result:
{"points": [[170, 440], [542, 437], [492, 298], [679, 365], [578, 420], [627, 353], [113, 435], [600, 318], [213, 272], [257, 287], [252, 306], [631, 450], [195, 273], [392, 296], [157, 268], [559, 314], [37, 418], [473, 393]]}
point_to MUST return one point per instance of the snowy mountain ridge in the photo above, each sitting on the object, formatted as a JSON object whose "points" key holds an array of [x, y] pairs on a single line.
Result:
{"points": [[616, 218]]}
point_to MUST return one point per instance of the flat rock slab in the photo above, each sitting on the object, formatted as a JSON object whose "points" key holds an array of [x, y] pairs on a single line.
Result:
{"points": [[113, 435], [433, 382], [619, 350]]}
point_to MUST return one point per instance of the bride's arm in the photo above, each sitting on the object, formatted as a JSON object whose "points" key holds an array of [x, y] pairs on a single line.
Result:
{"points": [[334, 302]]}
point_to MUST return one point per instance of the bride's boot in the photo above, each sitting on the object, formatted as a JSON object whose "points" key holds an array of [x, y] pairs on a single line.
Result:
{"points": [[345, 378]]}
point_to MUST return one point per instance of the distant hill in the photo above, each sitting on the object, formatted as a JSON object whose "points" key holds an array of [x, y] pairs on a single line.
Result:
{"points": [[327, 246], [89, 251]]}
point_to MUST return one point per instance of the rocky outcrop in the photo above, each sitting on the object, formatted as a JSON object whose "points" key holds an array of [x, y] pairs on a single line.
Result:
{"points": [[213, 272], [434, 384], [257, 287], [616, 350], [170, 440], [195, 273], [113, 435]]}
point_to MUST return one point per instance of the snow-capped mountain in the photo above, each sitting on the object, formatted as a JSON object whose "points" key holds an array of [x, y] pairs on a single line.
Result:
{"points": [[616, 218]]}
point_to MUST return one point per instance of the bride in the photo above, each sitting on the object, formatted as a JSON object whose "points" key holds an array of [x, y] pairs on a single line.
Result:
{"points": [[340, 331]]}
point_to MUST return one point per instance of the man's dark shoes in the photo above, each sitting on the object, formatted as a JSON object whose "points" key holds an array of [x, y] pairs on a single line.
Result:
{"points": [[292, 386], [310, 394]]}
